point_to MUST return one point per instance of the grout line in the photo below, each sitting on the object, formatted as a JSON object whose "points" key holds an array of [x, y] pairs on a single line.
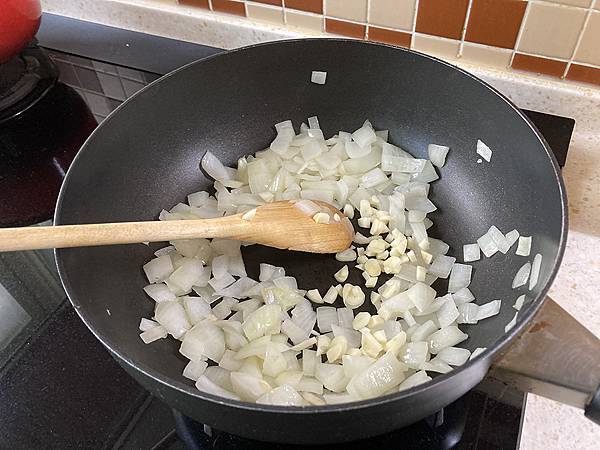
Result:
{"points": [[413, 28], [464, 31], [586, 21], [520, 33], [367, 20], [246, 11], [210, 6], [283, 12]]}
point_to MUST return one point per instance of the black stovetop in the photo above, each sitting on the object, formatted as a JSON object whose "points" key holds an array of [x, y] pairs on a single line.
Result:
{"points": [[62, 389]]}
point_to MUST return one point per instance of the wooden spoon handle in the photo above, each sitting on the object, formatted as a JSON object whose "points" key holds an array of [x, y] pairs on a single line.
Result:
{"points": [[30, 238]]}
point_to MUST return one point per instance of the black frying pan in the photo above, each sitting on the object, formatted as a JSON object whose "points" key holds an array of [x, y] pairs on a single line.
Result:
{"points": [[144, 157]]}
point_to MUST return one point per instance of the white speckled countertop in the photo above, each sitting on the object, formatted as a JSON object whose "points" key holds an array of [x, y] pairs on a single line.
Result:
{"points": [[547, 425]]}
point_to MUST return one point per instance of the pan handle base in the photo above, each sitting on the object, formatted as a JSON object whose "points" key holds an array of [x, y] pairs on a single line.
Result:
{"points": [[555, 357]]}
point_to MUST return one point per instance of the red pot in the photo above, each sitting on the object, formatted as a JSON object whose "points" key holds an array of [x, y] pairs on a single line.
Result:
{"points": [[19, 21]]}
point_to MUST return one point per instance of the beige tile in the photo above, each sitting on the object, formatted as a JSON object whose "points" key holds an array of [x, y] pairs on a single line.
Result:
{"points": [[583, 3], [392, 13], [264, 13], [488, 56], [589, 47], [306, 21], [347, 9], [436, 46], [551, 30]]}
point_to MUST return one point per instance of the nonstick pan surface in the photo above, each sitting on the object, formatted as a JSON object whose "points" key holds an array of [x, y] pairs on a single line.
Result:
{"points": [[144, 157]]}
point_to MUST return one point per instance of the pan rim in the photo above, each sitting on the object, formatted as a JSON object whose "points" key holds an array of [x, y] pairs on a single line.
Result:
{"points": [[486, 357]]}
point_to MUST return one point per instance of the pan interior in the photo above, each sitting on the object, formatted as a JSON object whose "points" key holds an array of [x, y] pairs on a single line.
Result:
{"points": [[145, 157]]}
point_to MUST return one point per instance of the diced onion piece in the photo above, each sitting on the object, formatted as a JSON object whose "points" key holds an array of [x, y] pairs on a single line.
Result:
{"points": [[414, 354], [215, 169], [314, 296], [364, 136], [499, 239], [172, 317], [265, 320], [460, 277], [512, 323], [160, 293], [518, 303], [446, 337], [415, 379], [318, 77], [204, 384], [437, 154], [326, 317], [153, 334], [471, 252], [454, 356], [535, 271], [463, 295], [332, 376], [447, 313], [478, 351], [522, 275], [489, 309], [384, 374], [484, 151], [512, 237], [146, 324], [442, 265], [487, 244], [330, 295], [342, 274], [203, 340], [158, 269], [524, 246], [468, 313], [248, 388], [194, 369], [346, 255]]}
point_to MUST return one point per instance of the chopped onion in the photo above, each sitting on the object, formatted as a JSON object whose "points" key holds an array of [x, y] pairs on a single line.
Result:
{"points": [[415, 379], [158, 269], [442, 265], [172, 317], [437, 154], [518, 303], [478, 351], [454, 356], [153, 334], [487, 244], [160, 293], [489, 309], [204, 384], [326, 317], [384, 374], [203, 340], [484, 151], [512, 323], [524, 246], [194, 369], [522, 275], [460, 277], [318, 77], [535, 271], [282, 395], [471, 252], [463, 295], [446, 337]]}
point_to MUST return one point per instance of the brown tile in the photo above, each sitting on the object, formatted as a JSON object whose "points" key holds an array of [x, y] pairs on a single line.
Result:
{"points": [[314, 6], [389, 37], [345, 28], [495, 22], [584, 73], [197, 3], [539, 65], [269, 2], [442, 18], [229, 7]]}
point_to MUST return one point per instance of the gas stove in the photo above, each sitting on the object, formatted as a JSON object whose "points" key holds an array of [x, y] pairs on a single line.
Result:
{"points": [[60, 388]]}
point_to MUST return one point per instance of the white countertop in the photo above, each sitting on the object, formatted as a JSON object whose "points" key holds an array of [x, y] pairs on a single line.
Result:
{"points": [[547, 425]]}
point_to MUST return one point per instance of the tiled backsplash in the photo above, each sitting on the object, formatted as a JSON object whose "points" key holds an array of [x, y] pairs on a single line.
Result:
{"points": [[559, 38]]}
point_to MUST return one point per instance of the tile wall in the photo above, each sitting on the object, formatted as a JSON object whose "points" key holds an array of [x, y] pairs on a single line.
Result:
{"points": [[557, 38]]}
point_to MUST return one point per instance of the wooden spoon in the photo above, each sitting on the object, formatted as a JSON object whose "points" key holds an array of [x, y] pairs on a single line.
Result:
{"points": [[278, 224]]}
